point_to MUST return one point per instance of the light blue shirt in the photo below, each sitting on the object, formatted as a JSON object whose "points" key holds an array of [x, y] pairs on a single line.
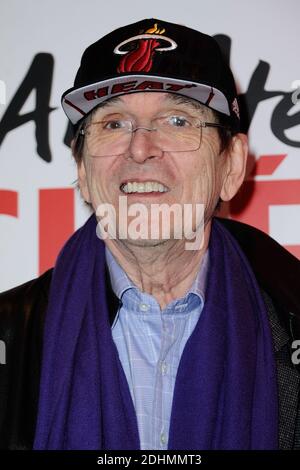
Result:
{"points": [[150, 342]]}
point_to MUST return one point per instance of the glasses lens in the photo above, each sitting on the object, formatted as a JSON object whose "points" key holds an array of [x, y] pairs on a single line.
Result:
{"points": [[177, 134], [107, 138]]}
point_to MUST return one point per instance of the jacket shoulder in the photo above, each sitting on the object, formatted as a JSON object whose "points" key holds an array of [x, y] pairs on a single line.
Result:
{"points": [[19, 304], [25, 292], [22, 311], [276, 270]]}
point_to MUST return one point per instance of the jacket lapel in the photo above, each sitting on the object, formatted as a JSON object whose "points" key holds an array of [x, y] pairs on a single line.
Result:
{"points": [[287, 376]]}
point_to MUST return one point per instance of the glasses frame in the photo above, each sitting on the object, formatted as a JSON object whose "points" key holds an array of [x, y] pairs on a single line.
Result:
{"points": [[200, 124]]}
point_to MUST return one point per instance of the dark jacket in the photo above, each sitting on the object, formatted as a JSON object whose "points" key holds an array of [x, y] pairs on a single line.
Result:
{"points": [[22, 313]]}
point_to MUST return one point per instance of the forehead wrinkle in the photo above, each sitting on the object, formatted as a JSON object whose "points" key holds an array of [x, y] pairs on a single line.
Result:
{"points": [[89, 117], [196, 105], [104, 104], [200, 108]]}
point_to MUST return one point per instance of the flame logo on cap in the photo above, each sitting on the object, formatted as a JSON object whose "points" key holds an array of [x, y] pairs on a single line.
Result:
{"points": [[140, 59]]}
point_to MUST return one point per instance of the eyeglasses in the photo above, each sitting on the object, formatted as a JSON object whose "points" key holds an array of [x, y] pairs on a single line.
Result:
{"points": [[171, 133]]}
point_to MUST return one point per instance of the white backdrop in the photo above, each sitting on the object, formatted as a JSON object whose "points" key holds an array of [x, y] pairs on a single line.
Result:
{"points": [[262, 32]]}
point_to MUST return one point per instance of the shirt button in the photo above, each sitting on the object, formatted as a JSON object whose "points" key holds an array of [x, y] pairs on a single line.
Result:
{"points": [[163, 438], [163, 368], [144, 307]]}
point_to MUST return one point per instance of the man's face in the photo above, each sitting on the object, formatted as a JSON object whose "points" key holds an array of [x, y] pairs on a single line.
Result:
{"points": [[187, 177]]}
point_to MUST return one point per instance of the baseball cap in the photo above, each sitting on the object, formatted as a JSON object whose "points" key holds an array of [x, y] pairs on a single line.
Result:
{"points": [[157, 56]]}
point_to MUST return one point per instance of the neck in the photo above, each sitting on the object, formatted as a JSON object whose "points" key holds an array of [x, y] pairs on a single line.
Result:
{"points": [[166, 271]]}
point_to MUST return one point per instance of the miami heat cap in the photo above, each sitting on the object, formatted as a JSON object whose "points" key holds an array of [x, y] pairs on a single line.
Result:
{"points": [[157, 56]]}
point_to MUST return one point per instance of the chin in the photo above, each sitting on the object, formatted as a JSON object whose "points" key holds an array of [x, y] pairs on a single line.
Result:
{"points": [[145, 243]]}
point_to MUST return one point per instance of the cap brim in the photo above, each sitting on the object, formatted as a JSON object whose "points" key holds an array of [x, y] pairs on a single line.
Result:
{"points": [[78, 102]]}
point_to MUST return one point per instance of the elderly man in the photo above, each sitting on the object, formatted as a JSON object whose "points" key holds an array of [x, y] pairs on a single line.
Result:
{"points": [[137, 341]]}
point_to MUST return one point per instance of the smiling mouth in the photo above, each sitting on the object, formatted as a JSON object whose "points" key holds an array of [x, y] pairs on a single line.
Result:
{"points": [[145, 187]]}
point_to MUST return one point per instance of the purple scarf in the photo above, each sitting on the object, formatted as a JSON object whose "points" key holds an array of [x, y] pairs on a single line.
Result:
{"points": [[225, 393]]}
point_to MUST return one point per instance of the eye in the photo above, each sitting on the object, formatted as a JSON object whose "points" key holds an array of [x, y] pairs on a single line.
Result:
{"points": [[178, 121], [114, 124]]}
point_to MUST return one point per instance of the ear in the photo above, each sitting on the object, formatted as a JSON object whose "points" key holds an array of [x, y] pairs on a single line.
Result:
{"points": [[82, 181], [81, 174], [235, 167]]}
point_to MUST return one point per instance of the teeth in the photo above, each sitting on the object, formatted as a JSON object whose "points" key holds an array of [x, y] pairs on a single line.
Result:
{"points": [[147, 187]]}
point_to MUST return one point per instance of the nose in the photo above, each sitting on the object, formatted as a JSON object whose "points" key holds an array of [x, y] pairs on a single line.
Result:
{"points": [[143, 144]]}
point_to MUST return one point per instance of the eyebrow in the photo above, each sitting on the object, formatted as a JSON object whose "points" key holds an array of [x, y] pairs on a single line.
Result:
{"points": [[180, 99], [113, 100]]}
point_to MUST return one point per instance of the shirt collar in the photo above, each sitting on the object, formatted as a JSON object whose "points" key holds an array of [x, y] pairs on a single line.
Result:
{"points": [[120, 282]]}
